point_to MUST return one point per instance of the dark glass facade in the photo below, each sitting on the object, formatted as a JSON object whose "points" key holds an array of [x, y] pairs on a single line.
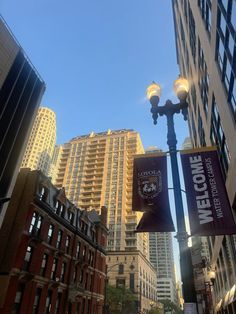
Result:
{"points": [[20, 95]]}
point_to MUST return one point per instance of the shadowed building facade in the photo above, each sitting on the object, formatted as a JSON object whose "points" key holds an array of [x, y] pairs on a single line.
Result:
{"points": [[205, 42], [21, 89], [52, 256]]}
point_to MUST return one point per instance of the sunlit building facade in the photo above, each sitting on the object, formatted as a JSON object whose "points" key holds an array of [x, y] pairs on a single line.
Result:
{"points": [[41, 143], [205, 41], [97, 170], [135, 272]]}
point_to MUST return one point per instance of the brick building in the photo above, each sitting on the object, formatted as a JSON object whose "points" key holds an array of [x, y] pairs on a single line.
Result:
{"points": [[52, 254]]}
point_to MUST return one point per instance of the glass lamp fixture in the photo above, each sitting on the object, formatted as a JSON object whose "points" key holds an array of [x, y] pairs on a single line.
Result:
{"points": [[181, 88], [154, 93], [212, 275]]}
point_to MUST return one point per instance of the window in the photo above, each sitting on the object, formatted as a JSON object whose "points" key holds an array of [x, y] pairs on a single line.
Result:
{"points": [[84, 252], [78, 249], [35, 224], [192, 34], [86, 281], [43, 193], [44, 264], [28, 257], [48, 302], [67, 244], [60, 210], [84, 227], [131, 282], [63, 271], [59, 238], [201, 130], [218, 138], [92, 259], [18, 299], [58, 303], [93, 235], [120, 282], [89, 256], [203, 78], [37, 301], [121, 269], [81, 276], [225, 44], [205, 8], [50, 233], [71, 217], [75, 275], [54, 269]]}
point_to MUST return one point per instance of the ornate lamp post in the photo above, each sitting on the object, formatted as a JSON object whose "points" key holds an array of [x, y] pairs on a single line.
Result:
{"points": [[181, 88]]}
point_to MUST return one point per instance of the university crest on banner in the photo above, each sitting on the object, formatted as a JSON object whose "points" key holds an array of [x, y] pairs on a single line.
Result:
{"points": [[149, 184], [150, 193]]}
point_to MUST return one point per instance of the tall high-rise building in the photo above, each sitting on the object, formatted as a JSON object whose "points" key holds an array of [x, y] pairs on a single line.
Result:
{"points": [[56, 157], [206, 52], [162, 257], [21, 90], [41, 143], [97, 170]]}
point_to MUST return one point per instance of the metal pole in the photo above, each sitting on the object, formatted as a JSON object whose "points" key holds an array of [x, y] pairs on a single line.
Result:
{"points": [[182, 236]]}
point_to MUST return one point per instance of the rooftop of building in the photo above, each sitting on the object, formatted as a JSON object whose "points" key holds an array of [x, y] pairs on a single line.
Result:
{"points": [[100, 134]]}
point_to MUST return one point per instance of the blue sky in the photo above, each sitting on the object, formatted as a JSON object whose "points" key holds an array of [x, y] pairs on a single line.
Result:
{"points": [[97, 59]]}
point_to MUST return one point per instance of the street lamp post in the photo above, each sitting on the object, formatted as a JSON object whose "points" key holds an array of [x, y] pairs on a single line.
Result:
{"points": [[106, 306], [181, 88], [209, 291]]}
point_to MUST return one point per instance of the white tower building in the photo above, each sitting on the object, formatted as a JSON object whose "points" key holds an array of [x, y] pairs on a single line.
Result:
{"points": [[41, 143]]}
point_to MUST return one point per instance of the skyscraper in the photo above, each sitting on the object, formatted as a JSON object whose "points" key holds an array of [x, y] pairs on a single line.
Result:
{"points": [[96, 170], [41, 143], [161, 256], [206, 53], [21, 89]]}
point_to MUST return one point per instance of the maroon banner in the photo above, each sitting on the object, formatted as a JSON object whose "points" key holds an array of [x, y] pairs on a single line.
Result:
{"points": [[150, 193], [208, 204]]}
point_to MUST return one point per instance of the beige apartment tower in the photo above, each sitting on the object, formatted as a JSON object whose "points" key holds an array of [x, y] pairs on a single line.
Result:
{"points": [[41, 143], [97, 170]]}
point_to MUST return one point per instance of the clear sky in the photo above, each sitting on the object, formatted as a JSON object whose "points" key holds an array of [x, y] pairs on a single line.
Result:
{"points": [[97, 58]]}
